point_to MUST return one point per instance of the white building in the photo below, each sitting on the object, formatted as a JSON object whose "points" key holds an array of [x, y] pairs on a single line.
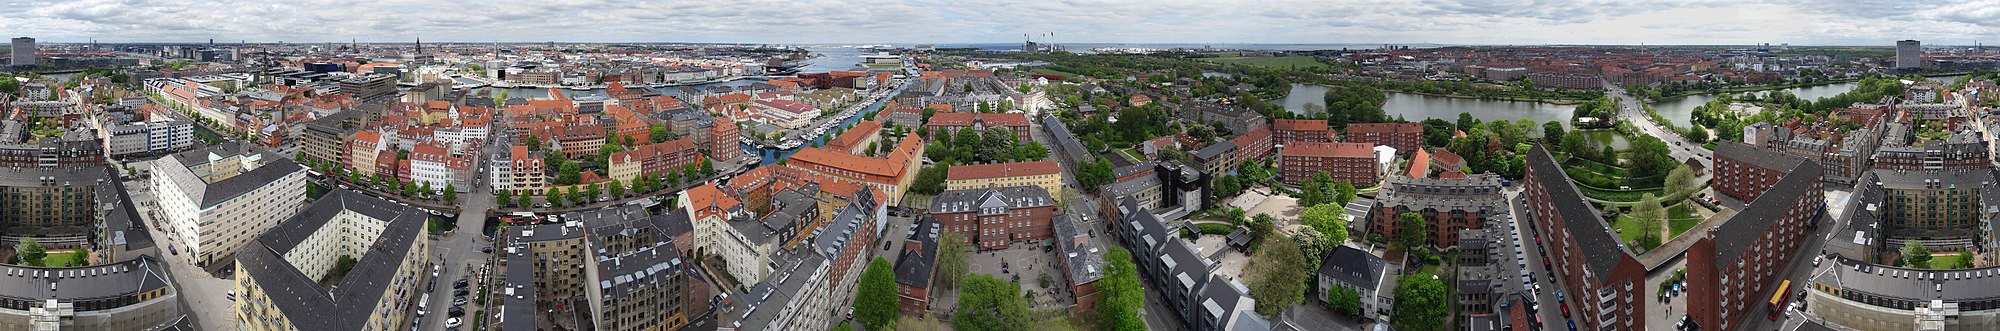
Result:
{"points": [[217, 199]]}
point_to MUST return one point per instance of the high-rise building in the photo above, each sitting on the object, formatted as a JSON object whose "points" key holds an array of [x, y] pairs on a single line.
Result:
{"points": [[1908, 54], [24, 51], [218, 199]]}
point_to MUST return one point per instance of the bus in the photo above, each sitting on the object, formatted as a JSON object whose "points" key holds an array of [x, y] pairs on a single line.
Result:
{"points": [[1778, 299]]}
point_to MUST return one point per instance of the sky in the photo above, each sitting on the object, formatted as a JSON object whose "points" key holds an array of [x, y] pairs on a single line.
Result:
{"points": [[1478, 22]]}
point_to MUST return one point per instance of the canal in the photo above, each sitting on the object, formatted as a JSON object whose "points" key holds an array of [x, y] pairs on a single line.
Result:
{"points": [[772, 155]]}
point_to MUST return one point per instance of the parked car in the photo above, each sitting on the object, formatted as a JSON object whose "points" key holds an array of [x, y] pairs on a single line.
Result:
{"points": [[1565, 308], [231, 296], [455, 312], [460, 292], [461, 283], [460, 301], [454, 322]]}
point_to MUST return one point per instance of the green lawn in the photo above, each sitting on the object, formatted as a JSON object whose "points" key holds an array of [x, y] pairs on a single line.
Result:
{"points": [[1047, 71], [1628, 231], [56, 259], [1682, 217], [1271, 62]]}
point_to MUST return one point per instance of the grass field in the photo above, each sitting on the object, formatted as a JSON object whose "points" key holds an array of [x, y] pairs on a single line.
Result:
{"points": [[1628, 232], [1682, 217], [1274, 62], [57, 259]]}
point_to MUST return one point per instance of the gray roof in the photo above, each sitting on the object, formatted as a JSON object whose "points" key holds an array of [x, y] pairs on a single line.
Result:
{"points": [[348, 304], [211, 194], [1132, 186], [98, 282], [518, 291], [838, 231], [1012, 197], [1921, 179], [1744, 230], [1959, 285], [633, 271], [1214, 150], [1070, 146], [674, 222], [121, 218], [1352, 266], [1754, 156], [44, 177], [1601, 249], [756, 308], [1082, 251], [914, 266]]}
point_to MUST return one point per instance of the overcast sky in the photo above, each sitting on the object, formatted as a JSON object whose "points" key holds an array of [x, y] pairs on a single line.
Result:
{"points": [[1799, 22]]}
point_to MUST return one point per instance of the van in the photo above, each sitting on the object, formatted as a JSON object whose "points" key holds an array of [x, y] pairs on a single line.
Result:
{"points": [[423, 304]]}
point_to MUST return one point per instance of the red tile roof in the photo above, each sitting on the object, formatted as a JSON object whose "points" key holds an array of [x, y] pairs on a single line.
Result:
{"points": [[1319, 149], [1299, 125], [1420, 165]]}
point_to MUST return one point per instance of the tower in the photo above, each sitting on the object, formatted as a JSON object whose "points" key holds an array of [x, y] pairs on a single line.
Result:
{"points": [[24, 51], [1909, 54], [420, 44]]}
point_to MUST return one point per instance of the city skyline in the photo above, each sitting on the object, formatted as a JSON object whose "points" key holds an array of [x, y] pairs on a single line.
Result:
{"points": [[1800, 23]]}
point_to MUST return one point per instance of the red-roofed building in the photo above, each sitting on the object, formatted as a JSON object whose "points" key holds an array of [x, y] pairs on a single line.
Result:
{"points": [[523, 172], [1404, 137], [953, 122], [362, 149], [386, 164], [786, 113], [653, 159], [1350, 162], [855, 140], [574, 141], [1044, 174], [1255, 145], [1447, 161], [892, 174], [1420, 164], [1288, 131]]}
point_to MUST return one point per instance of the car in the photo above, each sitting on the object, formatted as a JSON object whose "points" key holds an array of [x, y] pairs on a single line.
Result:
{"points": [[231, 296], [1565, 308], [461, 283], [431, 286], [1816, 260], [1572, 325], [455, 312], [460, 292], [460, 301], [454, 322], [486, 249]]}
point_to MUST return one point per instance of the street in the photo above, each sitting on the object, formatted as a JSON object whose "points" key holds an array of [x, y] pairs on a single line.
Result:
{"points": [[459, 253], [203, 295], [1679, 146]]}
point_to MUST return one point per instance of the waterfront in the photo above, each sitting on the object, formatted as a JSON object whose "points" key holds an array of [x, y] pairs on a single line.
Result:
{"points": [[1417, 107], [1680, 111], [768, 156]]}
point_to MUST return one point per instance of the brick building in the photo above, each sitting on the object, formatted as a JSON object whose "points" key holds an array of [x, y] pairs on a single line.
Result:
{"points": [[1597, 270], [1405, 137], [1288, 131], [1351, 162], [1734, 267], [995, 217], [1448, 205]]}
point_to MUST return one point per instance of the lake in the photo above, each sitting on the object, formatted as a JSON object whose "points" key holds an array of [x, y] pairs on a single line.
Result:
{"points": [[1417, 107], [1679, 110]]}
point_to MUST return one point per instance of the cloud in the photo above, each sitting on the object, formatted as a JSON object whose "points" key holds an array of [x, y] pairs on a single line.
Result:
{"points": [[1800, 22]]}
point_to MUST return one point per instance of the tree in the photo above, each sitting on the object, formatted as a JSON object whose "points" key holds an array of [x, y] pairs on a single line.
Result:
{"points": [[988, 303], [1119, 294], [1962, 261], [1095, 174], [706, 167], [1030, 151], [1344, 300], [577, 196], [674, 177], [1552, 131], [426, 188], [524, 200], [953, 251], [30, 252], [555, 197], [1343, 192], [1466, 122], [82, 257], [570, 174], [930, 180], [617, 188], [504, 197], [1680, 180], [450, 192], [1649, 214], [1326, 218], [1277, 275], [659, 132], [534, 143], [875, 303], [1916, 255], [1420, 303], [1411, 230]]}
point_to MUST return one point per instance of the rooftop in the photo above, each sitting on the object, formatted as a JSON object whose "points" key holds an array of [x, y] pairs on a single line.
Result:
{"points": [[1003, 170], [347, 304], [1601, 249]]}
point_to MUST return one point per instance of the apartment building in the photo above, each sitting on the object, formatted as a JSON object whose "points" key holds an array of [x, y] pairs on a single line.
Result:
{"points": [[893, 173], [135, 294], [438, 165], [1184, 276], [1404, 137], [915, 264], [1286, 131], [364, 149], [1044, 174], [858, 138], [1447, 205], [217, 199], [954, 122], [1734, 267], [50, 198], [657, 159], [1349, 162], [287, 278], [1604, 279], [1254, 145]]}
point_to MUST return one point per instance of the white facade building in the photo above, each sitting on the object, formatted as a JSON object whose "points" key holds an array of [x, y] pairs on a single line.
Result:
{"points": [[217, 199]]}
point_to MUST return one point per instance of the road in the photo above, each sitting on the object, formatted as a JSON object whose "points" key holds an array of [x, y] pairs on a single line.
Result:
{"points": [[459, 254], [1550, 313], [1631, 112], [202, 293], [1800, 271]]}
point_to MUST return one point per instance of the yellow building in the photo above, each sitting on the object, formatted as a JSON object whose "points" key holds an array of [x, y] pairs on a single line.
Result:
{"points": [[280, 274], [1045, 174]]}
